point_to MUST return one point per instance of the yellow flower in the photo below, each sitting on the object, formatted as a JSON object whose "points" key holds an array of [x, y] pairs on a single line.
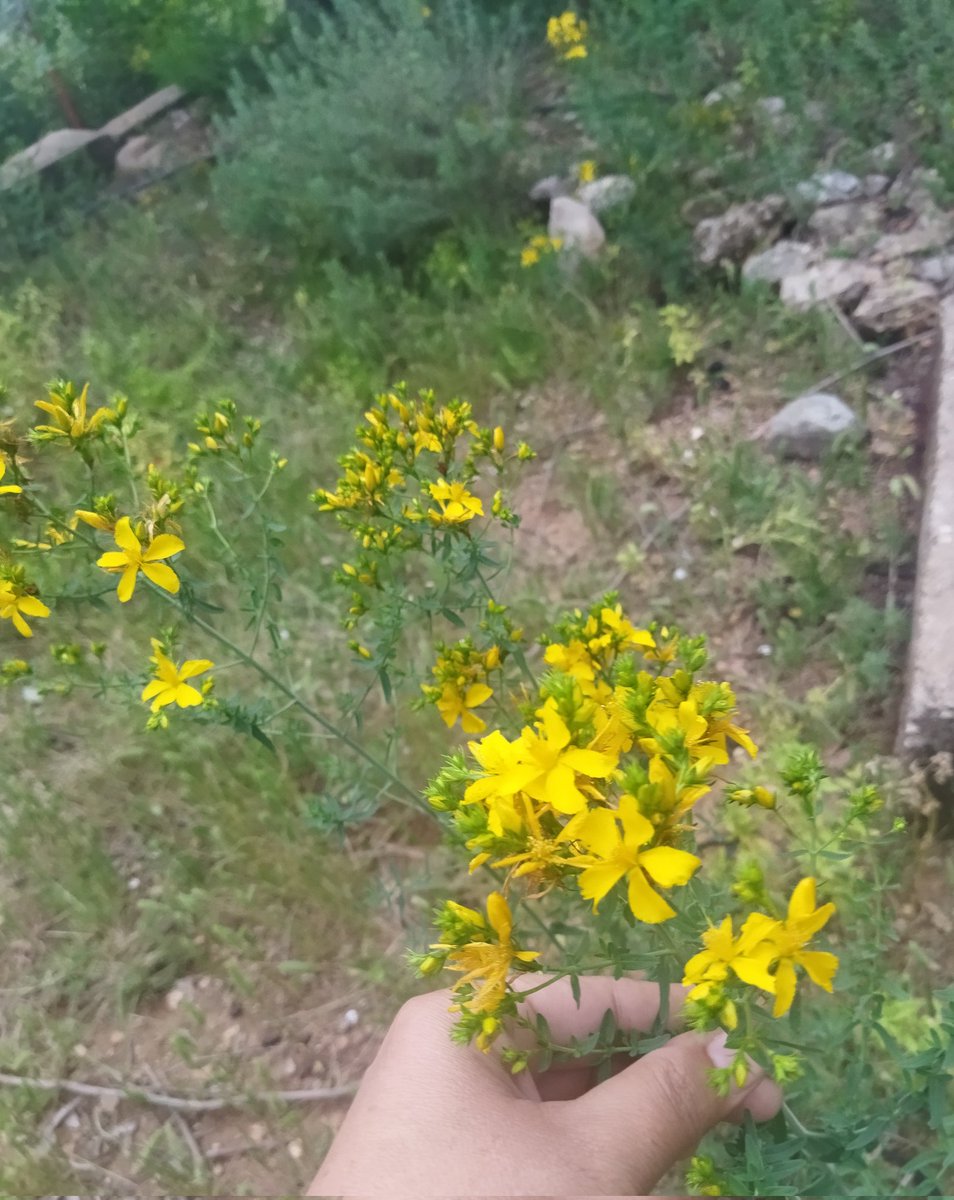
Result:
{"points": [[69, 415], [132, 557], [615, 842], [572, 659], [529, 256], [586, 172], [749, 956], [541, 763], [170, 686], [14, 605], [683, 724], [489, 961], [457, 505], [8, 489], [789, 939], [542, 853], [455, 705], [567, 33]]}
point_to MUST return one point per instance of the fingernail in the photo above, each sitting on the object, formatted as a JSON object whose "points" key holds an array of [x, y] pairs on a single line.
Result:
{"points": [[719, 1053]]}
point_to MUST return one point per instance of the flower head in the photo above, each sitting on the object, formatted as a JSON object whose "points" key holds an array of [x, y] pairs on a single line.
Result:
{"points": [[169, 685], [614, 842], [489, 957], [455, 504], [456, 704], [789, 940], [567, 35], [15, 604], [68, 413], [133, 557]]}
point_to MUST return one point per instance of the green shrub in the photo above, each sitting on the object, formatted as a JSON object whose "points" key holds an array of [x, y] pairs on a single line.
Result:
{"points": [[379, 130], [852, 73]]}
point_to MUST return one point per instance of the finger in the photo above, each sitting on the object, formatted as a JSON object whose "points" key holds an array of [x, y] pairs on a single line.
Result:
{"points": [[633, 1003], [668, 1100]]}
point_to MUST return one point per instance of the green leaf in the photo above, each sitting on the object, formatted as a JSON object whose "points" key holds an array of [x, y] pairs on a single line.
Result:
{"points": [[259, 734]]}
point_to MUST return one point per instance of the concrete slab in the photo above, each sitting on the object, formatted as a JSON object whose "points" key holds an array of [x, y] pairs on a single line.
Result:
{"points": [[927, 719], [142, 112]]}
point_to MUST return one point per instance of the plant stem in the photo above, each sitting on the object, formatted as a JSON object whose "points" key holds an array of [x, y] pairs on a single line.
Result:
{"points": [[410, 796]]}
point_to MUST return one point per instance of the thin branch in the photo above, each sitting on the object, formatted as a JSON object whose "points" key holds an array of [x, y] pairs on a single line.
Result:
{"points": [[884, 352], [180, 1103]]}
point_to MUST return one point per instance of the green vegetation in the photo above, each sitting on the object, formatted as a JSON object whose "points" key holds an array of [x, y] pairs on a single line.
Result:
{"points": [[363, 225]]}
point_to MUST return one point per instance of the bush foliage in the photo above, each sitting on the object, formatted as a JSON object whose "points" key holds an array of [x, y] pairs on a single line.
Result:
{"points": [[383, 127]]}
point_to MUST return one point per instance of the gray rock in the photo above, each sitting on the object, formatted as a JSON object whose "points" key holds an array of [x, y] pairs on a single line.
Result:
{"points": [[738, 231], [837, 280], [145, 110], [779, 261], [915, 190], [830, 187], [577, 226], [938, 270], [49, 150], [771, 106], [609, 192], [875, 185], [883, 157], [931, 230], [140, 156], [725, 94], [549, 188], [851, 227], [807, 427], [897, 306]]}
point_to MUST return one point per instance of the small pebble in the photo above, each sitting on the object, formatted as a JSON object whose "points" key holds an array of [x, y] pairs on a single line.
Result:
{"points": [[31, 694], [295, 1149], [134, 884], [680, 574], [765, 650], [697, 432], [350, 1018]]}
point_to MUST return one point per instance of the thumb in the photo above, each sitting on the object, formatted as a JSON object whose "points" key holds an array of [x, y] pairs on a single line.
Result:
{"points": [[656, 1111]]}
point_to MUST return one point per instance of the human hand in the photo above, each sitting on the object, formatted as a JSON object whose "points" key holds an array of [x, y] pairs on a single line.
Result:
{"points": [[432, 1118]]}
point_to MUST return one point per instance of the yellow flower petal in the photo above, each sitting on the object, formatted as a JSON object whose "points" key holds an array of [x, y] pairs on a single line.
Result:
{"points": [[668, 866], [645, 903], [32, 606], [152, 688], [819, 965], [163, 546], [126, 538], [20, 625], [113, 560], [596, 882], [187, 696], [194, 666], [127, 584], [784, 988], [162, 576]]}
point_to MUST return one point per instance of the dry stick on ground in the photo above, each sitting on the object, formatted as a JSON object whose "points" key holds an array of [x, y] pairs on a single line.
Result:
{"points": [[181, 1103], [884, 352]]}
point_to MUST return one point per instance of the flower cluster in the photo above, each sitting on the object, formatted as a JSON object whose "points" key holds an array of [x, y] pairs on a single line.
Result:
{"points": [[538, 247], [462, 674], [763, 943], [595, 796], [414, 472], [143, 543], [567, 35]]}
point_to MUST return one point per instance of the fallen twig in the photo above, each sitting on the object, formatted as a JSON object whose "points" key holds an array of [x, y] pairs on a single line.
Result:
{"points": [[181, 1103], [883, 352]]}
